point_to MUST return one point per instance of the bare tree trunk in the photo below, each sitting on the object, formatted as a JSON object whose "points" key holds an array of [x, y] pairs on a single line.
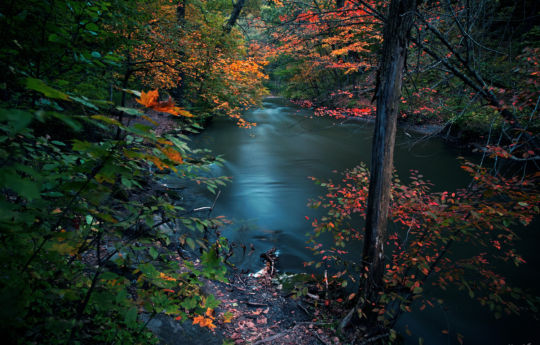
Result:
{"points": [[178, 91], [388, 94], [181, 13], [234, 16]]}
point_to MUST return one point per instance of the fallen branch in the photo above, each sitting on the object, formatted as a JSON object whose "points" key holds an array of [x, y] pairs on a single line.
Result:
{"points": [[209, 208], [373, 339], [303, 309], [254, 304], [319, 337], [275, 336]]}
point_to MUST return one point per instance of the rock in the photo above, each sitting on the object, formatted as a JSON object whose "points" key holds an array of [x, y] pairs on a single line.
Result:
{"points": [[172, 332]]}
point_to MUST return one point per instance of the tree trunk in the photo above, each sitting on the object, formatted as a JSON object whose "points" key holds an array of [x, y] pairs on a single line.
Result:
{"points": [[178, 91], [181, 13], [388, 94], [234, 16]]}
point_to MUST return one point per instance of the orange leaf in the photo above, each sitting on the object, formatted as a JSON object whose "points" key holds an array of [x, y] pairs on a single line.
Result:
{"points": [[172, 154], [148, 99], [198, 319]]}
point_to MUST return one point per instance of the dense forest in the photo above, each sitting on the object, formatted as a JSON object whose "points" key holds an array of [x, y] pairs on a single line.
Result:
{"points": [[99, 103]]}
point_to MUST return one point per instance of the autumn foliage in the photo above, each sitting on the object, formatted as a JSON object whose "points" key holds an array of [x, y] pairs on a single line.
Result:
{"points": [[217, 74], [150, 100], [431, 233]]}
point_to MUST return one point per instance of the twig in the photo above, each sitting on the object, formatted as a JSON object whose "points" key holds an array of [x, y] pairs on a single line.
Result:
{"points": [[237, 287], [209, 208], [275, 336], [303, 309], [319, 338], [309, 294], [214, 203], [202, 208], [312, 323], [326, 283], [254, 304], [373, 339]]}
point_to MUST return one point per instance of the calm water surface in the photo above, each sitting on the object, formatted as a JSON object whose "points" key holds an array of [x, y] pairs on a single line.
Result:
{"points": [[266, 201]]}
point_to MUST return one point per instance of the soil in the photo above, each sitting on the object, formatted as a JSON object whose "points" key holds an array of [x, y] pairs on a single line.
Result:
{"points": [[262, 314], [254, 310]]}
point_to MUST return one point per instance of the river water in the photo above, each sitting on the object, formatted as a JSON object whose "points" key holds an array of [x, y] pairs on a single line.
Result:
{"points": [[270, 164]]}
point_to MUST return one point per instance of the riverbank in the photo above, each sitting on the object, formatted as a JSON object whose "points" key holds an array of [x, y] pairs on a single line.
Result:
{"points": [[269, 164], [459, 137], [254, 309]]}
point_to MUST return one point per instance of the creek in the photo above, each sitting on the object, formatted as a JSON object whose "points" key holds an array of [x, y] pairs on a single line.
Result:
{"points": [[266, 202]]}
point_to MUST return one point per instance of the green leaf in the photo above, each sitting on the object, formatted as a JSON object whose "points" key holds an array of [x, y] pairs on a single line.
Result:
{"points": [[133, 92], [107, 119], [84, 102], [190, 243], [54, 38], [211, 302], [74, 124], [153, 253], [47, 91], [126, 182], [89, 219], [26, 188], [189, 303], [130, 111], [16, 119], [130, 317], [92, 27]]}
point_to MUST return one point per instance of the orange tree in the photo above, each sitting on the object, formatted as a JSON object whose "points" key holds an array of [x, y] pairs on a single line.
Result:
{"points": [[186, 48], [324, 51], [461, 55]]}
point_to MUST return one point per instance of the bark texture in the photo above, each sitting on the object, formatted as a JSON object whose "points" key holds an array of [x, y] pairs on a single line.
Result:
{"points": [[390, 75], [178, 92], [388, 95], [234, 16]]}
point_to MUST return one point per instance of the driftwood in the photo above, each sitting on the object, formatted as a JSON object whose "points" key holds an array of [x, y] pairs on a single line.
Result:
{"points": [[269, 269], [271, 258]]}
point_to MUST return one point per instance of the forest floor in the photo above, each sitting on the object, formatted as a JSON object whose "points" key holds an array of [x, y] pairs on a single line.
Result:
{"points": [[262, 314], [257, 312]]}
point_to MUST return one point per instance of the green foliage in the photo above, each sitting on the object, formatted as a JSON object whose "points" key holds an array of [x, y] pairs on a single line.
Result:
{"points": [[84, 251], [89, 238]]}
